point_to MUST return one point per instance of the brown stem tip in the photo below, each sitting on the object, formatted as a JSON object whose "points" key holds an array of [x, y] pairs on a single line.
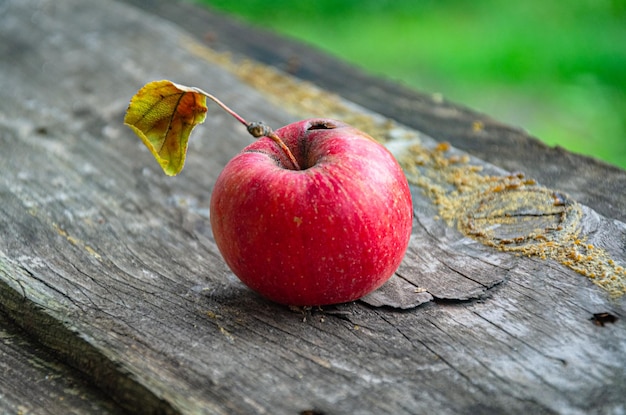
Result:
{"points": [[258, 129]]}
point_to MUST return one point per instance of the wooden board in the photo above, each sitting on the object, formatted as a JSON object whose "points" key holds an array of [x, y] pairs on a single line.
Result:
{"points": [[33, 381], [112, 266]]}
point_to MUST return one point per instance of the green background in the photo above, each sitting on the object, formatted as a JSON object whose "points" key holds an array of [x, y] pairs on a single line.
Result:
{"points": [[556, 69]]}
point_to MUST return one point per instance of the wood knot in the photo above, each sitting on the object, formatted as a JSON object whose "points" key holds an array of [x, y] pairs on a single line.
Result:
{"points": [[519, 216]]}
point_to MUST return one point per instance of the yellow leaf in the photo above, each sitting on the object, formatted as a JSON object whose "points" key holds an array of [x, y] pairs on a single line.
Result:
{"points": [[163, 114]]}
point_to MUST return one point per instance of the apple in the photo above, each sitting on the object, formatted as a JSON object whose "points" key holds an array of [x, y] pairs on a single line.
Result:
{"points": [[322, 218], [314, 213]]}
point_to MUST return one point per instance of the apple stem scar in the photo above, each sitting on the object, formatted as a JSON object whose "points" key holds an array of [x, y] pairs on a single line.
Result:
{"points": [[256, 129]]}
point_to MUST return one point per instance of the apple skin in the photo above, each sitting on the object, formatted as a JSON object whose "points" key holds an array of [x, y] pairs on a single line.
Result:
{"points": [[329, 233]]}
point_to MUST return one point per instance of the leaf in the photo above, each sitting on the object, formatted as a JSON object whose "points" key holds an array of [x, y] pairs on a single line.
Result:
{"points": [[163, 114]]}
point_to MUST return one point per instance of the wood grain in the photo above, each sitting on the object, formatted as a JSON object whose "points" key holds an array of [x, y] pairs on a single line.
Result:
{"points": [[33, 381], [112, 266]]}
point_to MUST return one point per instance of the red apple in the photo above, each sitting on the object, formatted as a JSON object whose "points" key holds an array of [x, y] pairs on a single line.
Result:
{"points": [[328, 232], [315, 213]]}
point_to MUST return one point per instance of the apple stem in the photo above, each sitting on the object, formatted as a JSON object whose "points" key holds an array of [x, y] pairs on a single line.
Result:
{"points": [[256, 129]]}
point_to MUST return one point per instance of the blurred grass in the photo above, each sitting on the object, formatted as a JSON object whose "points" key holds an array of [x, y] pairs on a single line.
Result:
{"points": [[556, 69]]}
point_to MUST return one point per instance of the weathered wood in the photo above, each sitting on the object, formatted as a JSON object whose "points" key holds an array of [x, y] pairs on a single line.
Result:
{"points": [[113, 267], [34, 382]]}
